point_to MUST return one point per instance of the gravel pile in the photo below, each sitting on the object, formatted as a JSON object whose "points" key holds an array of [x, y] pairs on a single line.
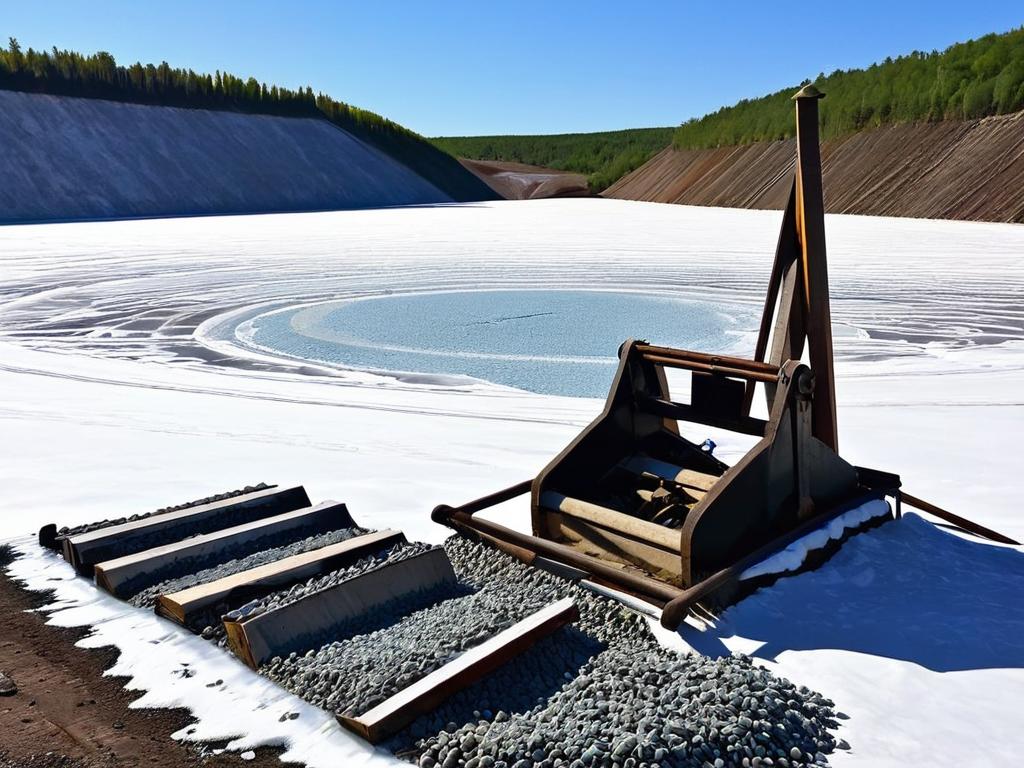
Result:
{"points": [[88, 527], [606, 693], [352, 675], [192, 573]]}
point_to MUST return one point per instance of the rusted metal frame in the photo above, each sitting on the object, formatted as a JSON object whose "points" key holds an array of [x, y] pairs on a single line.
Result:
{"points": [[672, 353], [789, 371], [811, 228], [960, 522], [790, 329], [747, 425], [675, 610], [784, 255], [462, 519], [720, 370], [801, 461]]}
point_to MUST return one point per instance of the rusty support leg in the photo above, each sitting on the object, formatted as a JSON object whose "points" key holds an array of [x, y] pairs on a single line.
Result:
{"points": [[960, 522], [811, 227], [785, 253]]}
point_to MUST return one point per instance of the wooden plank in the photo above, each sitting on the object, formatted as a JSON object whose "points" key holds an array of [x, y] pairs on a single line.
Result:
{"points": [[426, 694], [666, 538], [604, 544], [113, 575], [86, 549], [690, 478], [256, 639], [181, 606]]}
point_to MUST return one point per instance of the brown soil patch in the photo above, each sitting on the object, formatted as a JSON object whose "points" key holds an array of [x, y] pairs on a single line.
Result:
{"points": [[518, 181], [970, 170], [66, 715]]}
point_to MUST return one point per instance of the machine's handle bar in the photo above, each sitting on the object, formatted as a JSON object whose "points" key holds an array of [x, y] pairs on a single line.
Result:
{"points": [[677, 602], [737, 367], [960, 522], [462, 518]]}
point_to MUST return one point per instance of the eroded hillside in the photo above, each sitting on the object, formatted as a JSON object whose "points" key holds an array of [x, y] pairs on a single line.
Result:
{"points": [[74, 158], [948, 170]]}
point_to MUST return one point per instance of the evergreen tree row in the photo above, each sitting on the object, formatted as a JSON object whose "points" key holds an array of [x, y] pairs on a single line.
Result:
{"points": [[603, 157], [99, 76], [969, 80]]}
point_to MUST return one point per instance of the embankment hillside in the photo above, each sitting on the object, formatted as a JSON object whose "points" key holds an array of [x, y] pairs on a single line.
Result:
{"points": [[82, 158], [519, 181], [964, 169]]}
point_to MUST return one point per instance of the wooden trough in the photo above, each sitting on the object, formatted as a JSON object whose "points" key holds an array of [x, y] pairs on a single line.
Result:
{"points": [[231, 591], [143, 569], [426, 694], [86, 549], [282, 630]]}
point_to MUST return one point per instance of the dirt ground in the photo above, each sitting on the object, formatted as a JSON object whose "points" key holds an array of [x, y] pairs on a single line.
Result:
{"points": [[518, 181], [66, 715]]}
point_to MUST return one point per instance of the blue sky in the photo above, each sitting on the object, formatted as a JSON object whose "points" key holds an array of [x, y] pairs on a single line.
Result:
{"points": [[525, 67]]}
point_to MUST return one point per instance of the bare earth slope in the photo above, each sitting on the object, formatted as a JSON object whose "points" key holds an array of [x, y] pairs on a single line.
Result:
{"points": [[952, 170], [519, 181], [72, 158]]}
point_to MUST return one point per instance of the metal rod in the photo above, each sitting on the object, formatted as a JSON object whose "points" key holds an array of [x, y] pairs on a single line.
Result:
{"points": [[721, 370], [783, 257], [458, 517], [741, 363], [960, 522]]}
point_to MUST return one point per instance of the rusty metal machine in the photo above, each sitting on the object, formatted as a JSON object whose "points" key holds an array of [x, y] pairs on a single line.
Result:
{"points": [[637, 506]]}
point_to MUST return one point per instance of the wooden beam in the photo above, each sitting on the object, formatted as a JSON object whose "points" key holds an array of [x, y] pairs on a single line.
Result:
{"points": [[426, 694], [183, 605], [114, 575], [86, 549], [283, 630], [639, 464], [811, 227], [613, 520]]}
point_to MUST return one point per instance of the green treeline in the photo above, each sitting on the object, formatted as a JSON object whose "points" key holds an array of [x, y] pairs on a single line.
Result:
{"points": [[969, 80], [602, 157], [99, 76]]}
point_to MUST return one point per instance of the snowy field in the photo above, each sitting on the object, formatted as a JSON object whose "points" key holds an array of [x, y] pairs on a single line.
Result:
{"points": [[125, 385]]}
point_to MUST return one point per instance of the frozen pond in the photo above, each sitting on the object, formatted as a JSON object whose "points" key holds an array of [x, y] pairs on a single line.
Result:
{"points": [[546, 341]]}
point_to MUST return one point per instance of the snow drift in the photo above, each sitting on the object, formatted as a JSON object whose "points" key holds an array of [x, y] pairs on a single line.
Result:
{"points": [[73, 158]]}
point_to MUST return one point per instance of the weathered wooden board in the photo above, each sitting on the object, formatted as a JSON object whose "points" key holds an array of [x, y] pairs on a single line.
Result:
{"points": [[390, 716], [627, 525], [85, 550], [113, 575], [605, 544], [699, 481], [256, 639], [245, 585]]}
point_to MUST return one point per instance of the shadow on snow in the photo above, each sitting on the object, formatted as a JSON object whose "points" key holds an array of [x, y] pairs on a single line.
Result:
{"points": [[908, 590]]}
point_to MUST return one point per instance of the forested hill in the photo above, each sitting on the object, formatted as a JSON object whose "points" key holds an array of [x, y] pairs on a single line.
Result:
{"points": [[979, 78], [603, 157], [99, 76]]}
